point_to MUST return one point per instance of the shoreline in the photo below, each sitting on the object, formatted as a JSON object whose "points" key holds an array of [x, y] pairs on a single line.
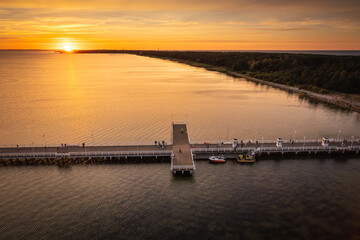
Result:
{"points": [[332, 99], [344, 101]]}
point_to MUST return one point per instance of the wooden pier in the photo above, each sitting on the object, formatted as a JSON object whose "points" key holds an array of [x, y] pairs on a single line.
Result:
{"points": [[181, 153], [269, 152], [182, 161]]}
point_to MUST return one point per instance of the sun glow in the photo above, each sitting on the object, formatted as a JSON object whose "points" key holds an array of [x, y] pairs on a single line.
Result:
{"points": [[68, 48]]}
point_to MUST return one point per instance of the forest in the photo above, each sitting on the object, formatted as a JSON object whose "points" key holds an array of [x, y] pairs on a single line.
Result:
{"points": [[318, 73]]}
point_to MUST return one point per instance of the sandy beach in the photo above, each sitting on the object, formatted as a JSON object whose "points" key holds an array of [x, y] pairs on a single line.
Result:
{"points": [[345, 101]]}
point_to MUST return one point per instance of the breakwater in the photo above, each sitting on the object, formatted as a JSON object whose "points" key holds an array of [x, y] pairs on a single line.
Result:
{"points": [[67, 161]]}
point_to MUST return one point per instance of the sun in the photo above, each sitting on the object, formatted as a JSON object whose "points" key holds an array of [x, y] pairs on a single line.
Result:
{"points": [[68, 48]]}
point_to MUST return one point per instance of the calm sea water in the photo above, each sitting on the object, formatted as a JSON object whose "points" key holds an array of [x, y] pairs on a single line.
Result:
{"points": [[116, 98], [52, 98], [288, 199]]}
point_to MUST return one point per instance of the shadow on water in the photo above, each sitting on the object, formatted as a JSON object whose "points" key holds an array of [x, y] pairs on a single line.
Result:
{"points": [[65, 171], [341, 159], [183, 178]]}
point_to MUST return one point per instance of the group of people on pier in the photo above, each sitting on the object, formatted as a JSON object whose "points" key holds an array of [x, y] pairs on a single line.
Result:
{"points": [[161, 144]]}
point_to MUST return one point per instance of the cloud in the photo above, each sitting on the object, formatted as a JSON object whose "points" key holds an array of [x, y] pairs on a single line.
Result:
{"points": [[207, 21], [186, 5]]}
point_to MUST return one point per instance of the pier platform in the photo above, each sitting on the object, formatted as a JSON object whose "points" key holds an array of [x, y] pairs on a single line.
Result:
{"points": [[182, 161]]}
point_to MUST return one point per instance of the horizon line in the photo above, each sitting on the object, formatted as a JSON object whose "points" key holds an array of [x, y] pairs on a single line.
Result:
{"points": [[106, 49]]}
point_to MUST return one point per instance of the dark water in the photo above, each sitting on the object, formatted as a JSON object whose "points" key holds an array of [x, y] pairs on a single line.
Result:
{"points": [[288, 199]]}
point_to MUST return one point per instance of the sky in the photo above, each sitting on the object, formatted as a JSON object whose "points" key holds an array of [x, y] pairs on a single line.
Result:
{"points": [[180, 24]]}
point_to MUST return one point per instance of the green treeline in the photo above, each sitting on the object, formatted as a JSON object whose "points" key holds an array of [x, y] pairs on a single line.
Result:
{"points": [[317, 73]]}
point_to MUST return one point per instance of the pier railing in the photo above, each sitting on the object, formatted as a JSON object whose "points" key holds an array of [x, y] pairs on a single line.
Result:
{"points": [[306, 148], [86, 154], [170, 152], [182, 168], [274, 149], [260, 141], [223, 150]]}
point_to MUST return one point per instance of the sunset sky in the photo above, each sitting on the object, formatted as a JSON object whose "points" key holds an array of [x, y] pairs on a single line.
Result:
{"points": [[181, 24]]}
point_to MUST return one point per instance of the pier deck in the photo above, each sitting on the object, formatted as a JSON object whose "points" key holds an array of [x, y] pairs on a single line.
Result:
{"points": [[156, 148], [182, 159], [182, 152]]}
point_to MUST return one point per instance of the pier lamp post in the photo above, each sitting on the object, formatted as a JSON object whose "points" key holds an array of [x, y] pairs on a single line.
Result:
{"points": [[262, 144], [352, 141], [304, 143], [255, 136], [338, 138], [294, 135]]}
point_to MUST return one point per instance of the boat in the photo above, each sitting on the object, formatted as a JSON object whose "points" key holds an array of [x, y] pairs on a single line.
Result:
{"points": [[217, 159], [246, 158]]}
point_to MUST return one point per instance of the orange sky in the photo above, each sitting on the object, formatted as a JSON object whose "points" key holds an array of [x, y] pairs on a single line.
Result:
{"points": [[181, 24]]}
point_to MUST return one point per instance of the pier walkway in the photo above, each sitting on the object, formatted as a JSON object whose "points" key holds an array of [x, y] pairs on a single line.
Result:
{"points": [[181, 152], [182, 158], [268, 147]]}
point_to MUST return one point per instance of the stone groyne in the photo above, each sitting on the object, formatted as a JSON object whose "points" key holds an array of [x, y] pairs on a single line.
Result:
{"points": [[67, 161]]}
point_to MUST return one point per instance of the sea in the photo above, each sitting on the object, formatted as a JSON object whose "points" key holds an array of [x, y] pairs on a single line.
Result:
{"points": [[47, 98]]}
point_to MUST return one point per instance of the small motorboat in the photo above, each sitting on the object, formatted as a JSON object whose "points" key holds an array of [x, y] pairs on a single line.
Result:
{"points": [[246, 158], [217, 159]]}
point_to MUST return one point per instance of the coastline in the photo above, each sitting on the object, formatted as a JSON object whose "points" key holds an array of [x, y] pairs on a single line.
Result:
{"points": [[332, 99], [340, 100], [345, 101]]}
